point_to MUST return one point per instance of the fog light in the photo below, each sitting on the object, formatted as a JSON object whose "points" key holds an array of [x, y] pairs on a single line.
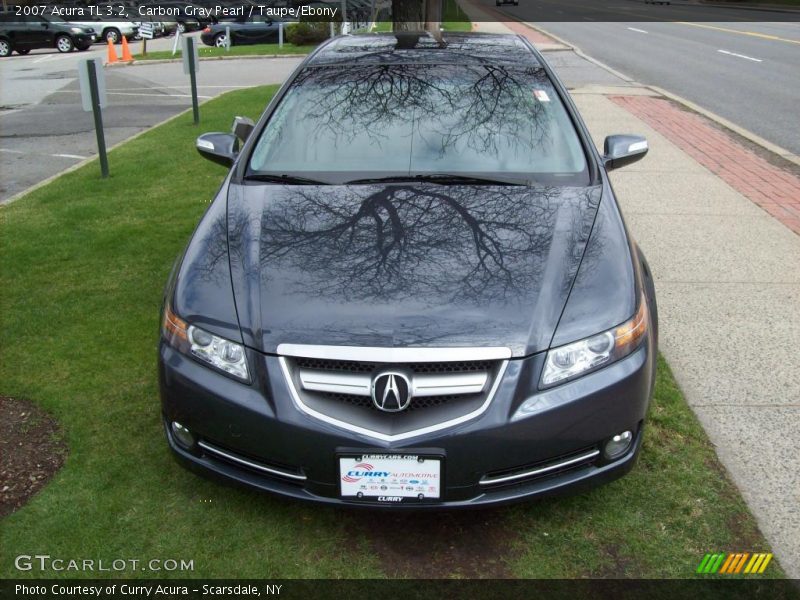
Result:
{"points": [[183, 435], [618, 445]]}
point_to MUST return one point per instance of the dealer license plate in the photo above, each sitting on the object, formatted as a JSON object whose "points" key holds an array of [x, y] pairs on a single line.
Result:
{"points": [[390, 477]]}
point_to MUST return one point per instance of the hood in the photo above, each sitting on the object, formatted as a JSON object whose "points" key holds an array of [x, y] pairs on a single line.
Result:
{"points": [[405, 265]]}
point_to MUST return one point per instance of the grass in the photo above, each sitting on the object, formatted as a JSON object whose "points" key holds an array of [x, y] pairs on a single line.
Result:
{"points": [[250, 50], [82, 266]]}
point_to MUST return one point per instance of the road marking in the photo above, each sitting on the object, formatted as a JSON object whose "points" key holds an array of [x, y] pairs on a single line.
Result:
{"points": [[751, 33], [740, 56], [637, 30], [138, 94], [75, 156]]}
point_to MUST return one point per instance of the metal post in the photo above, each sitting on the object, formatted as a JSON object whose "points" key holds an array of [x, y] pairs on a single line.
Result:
{"points": [[98, 118], [280, 34], [193, 78], [332, 31], [227, 38]]}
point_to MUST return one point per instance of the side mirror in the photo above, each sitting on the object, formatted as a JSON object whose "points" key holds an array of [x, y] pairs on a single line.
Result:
{"points": [[621, 150], [221, 148], [242, 127]]}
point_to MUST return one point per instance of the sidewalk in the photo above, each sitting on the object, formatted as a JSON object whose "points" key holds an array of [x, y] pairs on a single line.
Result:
{"points": [[719, 225]]}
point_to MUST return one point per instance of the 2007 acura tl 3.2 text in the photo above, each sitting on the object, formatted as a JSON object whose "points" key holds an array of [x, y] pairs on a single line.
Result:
{"points": [[414, 287]]}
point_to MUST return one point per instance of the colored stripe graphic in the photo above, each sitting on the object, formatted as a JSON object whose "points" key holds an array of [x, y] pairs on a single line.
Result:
{"points": [[741, 562], [767, 558], [702, 566], [735, 563]]}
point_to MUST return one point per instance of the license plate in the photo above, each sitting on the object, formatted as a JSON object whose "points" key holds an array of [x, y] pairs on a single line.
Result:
{"points": [[390, 477]]}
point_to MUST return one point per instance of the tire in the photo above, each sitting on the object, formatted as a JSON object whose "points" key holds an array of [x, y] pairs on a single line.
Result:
{"points": [[181, 27], [23, 51], [220, 40], [5, 48], [64, 44], [113, 35]]}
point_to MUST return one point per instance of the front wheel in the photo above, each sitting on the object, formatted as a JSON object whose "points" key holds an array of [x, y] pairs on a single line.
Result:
{"points": [[64, 43], [220, 40], [181, 27], [5, 48], [113, 36]]}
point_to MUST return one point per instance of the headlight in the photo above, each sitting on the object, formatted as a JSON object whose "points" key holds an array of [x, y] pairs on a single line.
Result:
{"points": [[570, 361], [76, 30], [218, 352]]}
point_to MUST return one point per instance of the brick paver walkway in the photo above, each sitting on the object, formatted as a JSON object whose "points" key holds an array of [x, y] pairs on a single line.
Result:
{"points": [[773, 189]]}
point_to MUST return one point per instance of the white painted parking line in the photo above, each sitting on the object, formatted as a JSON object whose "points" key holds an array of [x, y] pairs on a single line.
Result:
{"points": [[637, 30], [138, 94], [70, 156], [740, 55]]}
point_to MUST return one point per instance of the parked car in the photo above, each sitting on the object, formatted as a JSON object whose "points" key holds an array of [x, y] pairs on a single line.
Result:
{"points": [[414, 287], [108, 30], [259, 30], [24, 33], [162, 26], [187, 15]]}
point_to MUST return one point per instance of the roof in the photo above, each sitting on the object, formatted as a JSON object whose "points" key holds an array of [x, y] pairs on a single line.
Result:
{"points": [[422, 48]]}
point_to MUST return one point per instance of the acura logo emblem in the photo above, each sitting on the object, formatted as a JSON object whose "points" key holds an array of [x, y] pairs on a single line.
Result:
{"points": [[391, 391]]}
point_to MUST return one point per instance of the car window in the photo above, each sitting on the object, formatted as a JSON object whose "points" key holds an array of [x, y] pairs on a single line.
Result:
{"points": [[381, 120]]}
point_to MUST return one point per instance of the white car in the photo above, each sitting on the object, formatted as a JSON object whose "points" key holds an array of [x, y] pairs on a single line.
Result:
{"points": [[110, 30]]}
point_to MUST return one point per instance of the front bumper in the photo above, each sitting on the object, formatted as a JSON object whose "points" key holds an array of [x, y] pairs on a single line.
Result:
{"points": [[266, 442]]}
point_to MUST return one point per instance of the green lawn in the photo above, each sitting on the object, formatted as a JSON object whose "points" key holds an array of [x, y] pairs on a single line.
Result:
{"points": [[250, 50], [82, 266]]}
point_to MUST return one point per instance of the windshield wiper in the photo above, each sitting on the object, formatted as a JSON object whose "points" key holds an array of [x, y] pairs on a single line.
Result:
{"points": [[290, 179], [446, 178]]}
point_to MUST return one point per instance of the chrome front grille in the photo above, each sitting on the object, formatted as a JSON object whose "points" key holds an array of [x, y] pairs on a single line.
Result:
{"points": [[463, 379], [443, 392]]}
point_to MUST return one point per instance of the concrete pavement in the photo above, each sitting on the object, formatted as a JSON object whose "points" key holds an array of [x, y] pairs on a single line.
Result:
{"points": [[44, 136], [728, 280]]}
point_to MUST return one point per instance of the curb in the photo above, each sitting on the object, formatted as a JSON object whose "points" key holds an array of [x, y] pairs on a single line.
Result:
{"points": [[156, 61], [741, 131], [90, 159]]}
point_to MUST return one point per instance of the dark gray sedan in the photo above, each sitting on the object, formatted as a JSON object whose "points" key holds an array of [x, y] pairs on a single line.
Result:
{"points": [[259, 30], [414, 287]]}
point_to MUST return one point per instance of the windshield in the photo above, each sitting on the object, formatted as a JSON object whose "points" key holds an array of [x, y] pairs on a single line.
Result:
{"points": [[342, 123]]}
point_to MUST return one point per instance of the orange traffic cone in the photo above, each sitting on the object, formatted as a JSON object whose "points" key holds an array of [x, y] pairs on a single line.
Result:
{"points": [[126, 53], [112, 54]]}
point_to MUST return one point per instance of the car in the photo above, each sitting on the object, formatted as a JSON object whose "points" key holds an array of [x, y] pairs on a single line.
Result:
{"points": [[258, 30], [188, 16], [109, 30], [23, 33], [414, 288]]}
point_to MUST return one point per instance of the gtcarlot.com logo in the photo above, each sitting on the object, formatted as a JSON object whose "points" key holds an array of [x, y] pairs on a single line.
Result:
{"points": [[734, 563], [45, 562]]}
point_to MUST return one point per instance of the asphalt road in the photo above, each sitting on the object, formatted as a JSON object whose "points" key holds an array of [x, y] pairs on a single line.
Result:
{"points": [[44, 130], [747, 72]]}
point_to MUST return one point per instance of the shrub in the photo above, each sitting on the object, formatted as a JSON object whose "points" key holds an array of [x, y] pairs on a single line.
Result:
{"points": [[304, 33]]}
